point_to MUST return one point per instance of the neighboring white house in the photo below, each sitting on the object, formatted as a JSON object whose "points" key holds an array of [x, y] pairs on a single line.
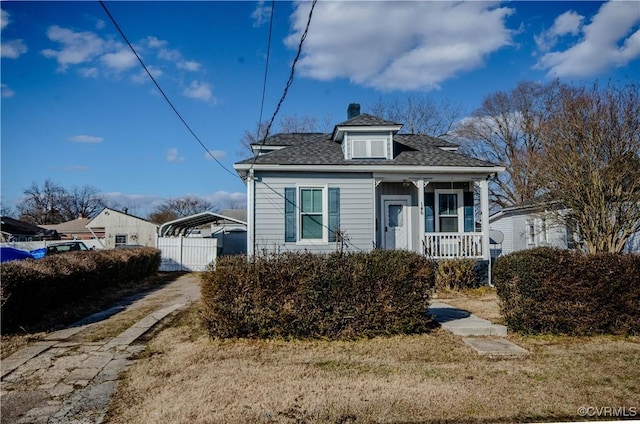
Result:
{"points": [[121, 229], [365, 186], [534, 225]]}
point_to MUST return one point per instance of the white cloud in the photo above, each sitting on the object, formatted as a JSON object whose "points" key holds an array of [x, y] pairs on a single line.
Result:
{"points": [[218, 154], [89, 72], [83, 138], [188, 65], [569, 23], [154, 42], [172, 156], [261, 14], [119, 61], [13, 49], [100, 24], [170, 55], [611, 40], [7, 91], [225, 199], [142, 77], [4, 19], [76, 47], [412, 45], [199, 90]]}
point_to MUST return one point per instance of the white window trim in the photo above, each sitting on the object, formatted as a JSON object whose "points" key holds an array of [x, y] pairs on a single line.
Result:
{"points": [[436, 206], [325, 215]]}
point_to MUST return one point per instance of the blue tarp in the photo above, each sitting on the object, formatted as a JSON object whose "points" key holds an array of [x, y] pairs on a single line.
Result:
{"points": [[13, 254]]}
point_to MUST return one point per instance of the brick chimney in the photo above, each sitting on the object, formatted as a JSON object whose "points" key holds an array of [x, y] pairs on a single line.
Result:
{"points": [[353, 110]]}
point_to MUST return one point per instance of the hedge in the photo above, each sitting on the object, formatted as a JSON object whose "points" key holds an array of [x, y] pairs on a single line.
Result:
{"points": [[31, 288], [318, 296], [556, 291]]}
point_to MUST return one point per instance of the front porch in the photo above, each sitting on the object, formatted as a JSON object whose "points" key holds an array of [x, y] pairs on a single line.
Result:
{"points": [[437, 217]]}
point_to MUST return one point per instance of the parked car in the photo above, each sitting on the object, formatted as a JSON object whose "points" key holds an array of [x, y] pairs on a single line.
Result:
{"points": [[68, 246]]}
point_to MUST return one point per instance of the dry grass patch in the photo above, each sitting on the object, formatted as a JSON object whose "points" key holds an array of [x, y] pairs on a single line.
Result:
{"points": [[184, 377], [483, 302]]}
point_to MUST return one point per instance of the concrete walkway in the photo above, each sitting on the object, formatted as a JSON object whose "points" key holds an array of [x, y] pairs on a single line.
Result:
{"points": [[65, 379], [478, 333]]}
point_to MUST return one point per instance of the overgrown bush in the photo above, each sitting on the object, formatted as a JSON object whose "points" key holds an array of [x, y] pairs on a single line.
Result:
{"points": [[31, 288], [310, 296], [557, 291], [457, 274]]}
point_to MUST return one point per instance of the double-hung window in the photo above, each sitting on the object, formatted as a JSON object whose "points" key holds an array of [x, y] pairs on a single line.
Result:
{"points": [[311, 213], [448, 212]]}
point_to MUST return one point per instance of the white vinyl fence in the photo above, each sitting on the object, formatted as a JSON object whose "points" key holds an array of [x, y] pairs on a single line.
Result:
{"points": [[187, 253]]}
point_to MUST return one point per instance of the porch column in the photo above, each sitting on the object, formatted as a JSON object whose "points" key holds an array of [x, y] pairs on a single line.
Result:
{"points": [[421, 228], [484, 220]]}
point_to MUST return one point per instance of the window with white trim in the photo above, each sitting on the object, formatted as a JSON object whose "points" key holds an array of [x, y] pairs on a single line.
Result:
{"points": [[531, 232], [374, 148], [311, 214]]}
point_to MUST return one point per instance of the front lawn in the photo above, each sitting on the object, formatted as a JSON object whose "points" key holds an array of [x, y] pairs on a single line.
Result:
{"points": [[184, 377]]}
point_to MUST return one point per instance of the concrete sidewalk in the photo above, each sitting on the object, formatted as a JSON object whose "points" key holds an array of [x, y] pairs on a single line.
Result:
{"points": [[63, 379], [478, 333]]}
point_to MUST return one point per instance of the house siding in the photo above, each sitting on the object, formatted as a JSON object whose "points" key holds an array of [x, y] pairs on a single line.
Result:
{"points": [[138, 231], [356, 204]]}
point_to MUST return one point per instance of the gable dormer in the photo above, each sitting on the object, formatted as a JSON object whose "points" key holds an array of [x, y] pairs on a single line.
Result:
{"points": [[364, 136]]}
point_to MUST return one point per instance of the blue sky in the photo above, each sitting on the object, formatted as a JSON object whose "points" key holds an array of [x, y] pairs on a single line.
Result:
{"points": [[78, 109]]}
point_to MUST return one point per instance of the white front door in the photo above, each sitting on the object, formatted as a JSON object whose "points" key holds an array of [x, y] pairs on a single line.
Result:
{"points": [[396, 224]]}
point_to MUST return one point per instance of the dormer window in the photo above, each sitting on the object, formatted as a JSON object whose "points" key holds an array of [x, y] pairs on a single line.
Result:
{"points": [[371, 148]]}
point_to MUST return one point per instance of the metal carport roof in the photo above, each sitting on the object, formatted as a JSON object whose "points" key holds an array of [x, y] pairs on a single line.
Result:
{"points": [[180, 226]]}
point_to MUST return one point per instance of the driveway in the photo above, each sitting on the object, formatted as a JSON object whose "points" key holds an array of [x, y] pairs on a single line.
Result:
{"points": [[70, 375]]}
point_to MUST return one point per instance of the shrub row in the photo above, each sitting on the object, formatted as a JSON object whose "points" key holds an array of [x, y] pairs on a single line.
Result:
{"points": [[556, 291], [30, 288], [318, 296]]}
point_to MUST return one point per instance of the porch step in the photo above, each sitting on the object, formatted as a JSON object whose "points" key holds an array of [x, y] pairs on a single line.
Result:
{"points": [[463, 323]]}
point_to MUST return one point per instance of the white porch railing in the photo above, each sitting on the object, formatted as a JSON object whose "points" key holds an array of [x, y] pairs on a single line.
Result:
{"points": [[453, 245]]}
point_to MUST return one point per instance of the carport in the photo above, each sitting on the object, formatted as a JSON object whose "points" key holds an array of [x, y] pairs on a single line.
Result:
{"points": [[184, 251]]}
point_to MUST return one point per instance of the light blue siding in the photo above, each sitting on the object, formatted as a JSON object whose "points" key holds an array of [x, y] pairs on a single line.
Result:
{"points": [[356, 211]]}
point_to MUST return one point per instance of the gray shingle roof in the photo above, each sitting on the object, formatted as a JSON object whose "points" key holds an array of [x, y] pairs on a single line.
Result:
{"points": [[319, 149], [366, 119]]}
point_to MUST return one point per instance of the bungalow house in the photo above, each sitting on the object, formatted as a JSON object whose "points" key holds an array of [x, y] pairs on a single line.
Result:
{"points": [[365, 186]]}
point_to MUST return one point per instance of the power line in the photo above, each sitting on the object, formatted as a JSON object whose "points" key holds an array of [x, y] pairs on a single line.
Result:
{"points": [[124, 37], [288, 84], [266, 68]]}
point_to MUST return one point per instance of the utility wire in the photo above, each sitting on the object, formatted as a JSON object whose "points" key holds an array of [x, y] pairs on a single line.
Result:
{"points": [[124, 37], [266, 68], [287, 85]]}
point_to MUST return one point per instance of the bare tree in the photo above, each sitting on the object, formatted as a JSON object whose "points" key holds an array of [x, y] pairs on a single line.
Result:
{"points": [[84, 201], [420, 115], [505, 130], [179, 207], [42, 204], [50, 203], [590, 162]]}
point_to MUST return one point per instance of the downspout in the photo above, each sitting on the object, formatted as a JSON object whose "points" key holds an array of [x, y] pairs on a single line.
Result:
{"points": [[251, 227]]}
